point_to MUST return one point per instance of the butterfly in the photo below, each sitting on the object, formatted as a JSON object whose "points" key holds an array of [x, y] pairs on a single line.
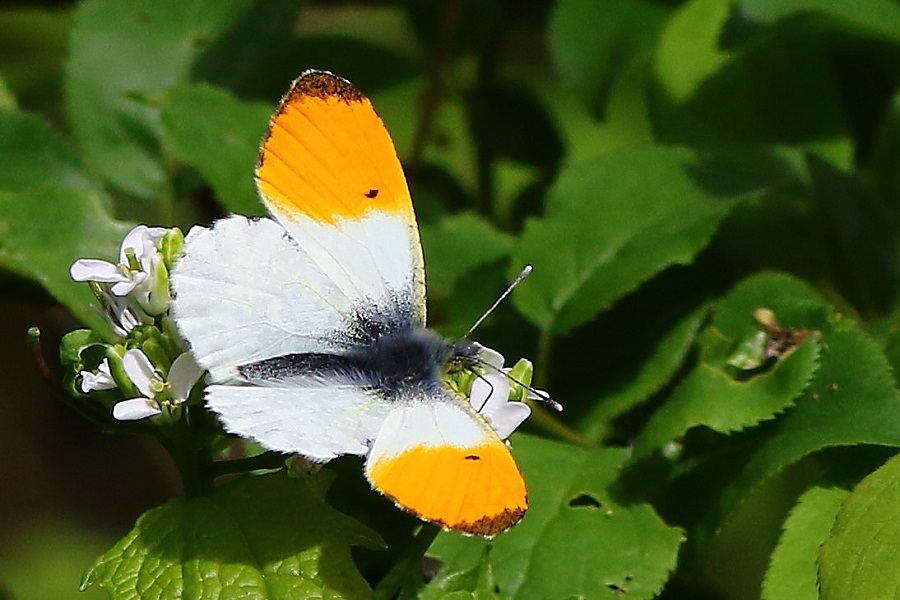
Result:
{"points": [[311, 323]]}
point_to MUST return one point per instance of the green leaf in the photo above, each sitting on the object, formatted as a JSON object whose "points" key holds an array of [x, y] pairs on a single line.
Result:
{"points": [[878, 16], [661, 364], [563, 548], [264, 537], [476, 583], [34, 156], [793, 571], [7, 99], [852, 400], [459, 244], [590, 40], [74, 344], [123, 54], [859, 560], [609, 227], [779, 86], [79, 227], [692, 32], [723, 398], [219, 135]]}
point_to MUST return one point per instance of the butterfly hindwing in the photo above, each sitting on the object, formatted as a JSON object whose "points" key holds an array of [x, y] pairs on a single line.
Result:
{"points": [[437, 458], [320, 421]]}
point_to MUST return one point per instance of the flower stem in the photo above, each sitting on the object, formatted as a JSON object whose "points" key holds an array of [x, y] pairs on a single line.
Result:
{"points": [[398, 574], [266, 460]]}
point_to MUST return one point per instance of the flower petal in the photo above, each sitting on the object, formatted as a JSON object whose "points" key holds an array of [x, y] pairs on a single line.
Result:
{"points": [[123, 288], [183, 375], [134, 409], [92, 269], [489, 356], [140, 370], [480, 392], [101, 380], [141, 240], [499, 394], [508, 417]]}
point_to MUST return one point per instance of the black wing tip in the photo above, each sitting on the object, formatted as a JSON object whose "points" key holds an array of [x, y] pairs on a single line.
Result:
{"points": [[314, 83]]}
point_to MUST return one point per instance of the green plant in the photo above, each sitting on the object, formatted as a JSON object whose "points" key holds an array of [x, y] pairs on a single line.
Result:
{"points": [[708, 195]]}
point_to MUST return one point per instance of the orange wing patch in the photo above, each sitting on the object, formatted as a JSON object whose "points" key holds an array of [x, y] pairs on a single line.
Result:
{"points": [[476, 490], [328, 155]]}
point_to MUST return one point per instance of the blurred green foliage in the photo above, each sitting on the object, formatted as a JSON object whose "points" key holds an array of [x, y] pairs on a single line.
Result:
{"points": [[667, 167]]}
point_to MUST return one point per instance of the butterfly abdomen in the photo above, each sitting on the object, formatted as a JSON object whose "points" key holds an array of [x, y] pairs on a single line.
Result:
{"points": [[404, 363]]}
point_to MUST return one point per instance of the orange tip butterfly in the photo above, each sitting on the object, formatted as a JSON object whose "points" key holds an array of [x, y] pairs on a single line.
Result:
{"points": [[312, 323]]}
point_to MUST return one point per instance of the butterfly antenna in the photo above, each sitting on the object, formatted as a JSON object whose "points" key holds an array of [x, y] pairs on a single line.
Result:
{"points": [[525, 272]]}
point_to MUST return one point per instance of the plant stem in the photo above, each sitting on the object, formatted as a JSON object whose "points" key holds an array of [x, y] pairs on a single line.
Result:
{"points": [[266, 460], [409, 560]]}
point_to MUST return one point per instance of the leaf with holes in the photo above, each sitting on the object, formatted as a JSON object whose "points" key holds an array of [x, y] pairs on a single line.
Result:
{"points": [[571, 514], [725, 398]]}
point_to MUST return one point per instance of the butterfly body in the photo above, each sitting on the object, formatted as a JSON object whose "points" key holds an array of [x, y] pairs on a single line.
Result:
{"points": [[312, 324]]}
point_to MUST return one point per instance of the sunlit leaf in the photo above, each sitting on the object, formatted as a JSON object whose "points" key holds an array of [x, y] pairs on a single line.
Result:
{"points": [[793, 570], [264, 537], [881, 17], [859, 559], [611, 223]]}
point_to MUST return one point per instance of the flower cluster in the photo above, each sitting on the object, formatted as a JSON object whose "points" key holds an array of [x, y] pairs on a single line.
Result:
{"points": [[147, 361]]}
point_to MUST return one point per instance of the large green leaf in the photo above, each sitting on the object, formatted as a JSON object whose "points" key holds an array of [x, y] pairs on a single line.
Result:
{"points": [[793, 569], [881, 17], [263, 537], [457, 245], [859, 560], [723, 397], [612, 222], [590, 40], [576, 540], [50, 215], [79, 228], [123, 54], [219, 135], [777, 86], [34, 156]]}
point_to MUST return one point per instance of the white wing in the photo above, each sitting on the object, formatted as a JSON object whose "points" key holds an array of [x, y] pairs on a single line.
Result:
{"points": [[318, 422], [245, 291]]}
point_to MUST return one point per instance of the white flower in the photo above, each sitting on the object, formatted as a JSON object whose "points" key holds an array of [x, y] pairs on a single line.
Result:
{"points": [[101, 380], [119, 312], [490, 397], [489, 356], [155, 388], [140, 271]]}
